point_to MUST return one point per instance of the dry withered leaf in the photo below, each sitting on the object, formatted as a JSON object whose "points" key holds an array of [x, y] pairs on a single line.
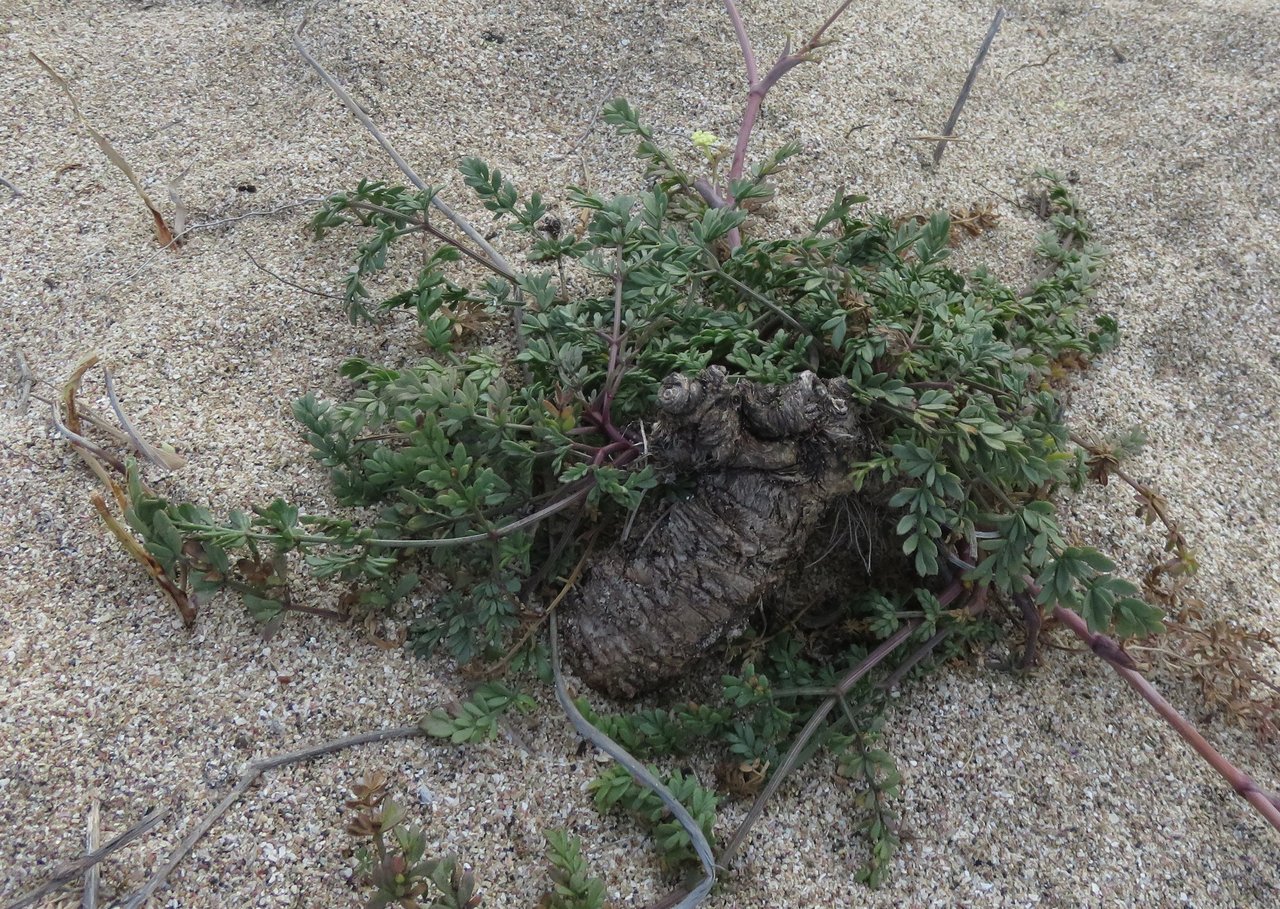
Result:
{"points": [[163, 233]]}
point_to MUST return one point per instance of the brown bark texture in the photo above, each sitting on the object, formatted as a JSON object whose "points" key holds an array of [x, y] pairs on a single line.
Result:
{"points": [[769, 493]]}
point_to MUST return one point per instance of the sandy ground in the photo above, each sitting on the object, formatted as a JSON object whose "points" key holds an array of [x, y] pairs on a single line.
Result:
{"points": [[1057, 790]]}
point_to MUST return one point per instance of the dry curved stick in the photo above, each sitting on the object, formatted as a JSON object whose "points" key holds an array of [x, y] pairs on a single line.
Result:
{"points": [[72, 870], [251, 773], [690, 898], [164, 459], [462, 223]]}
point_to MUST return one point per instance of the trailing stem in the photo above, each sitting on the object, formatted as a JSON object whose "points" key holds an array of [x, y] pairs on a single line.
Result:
{"points": [[1108, 650]]}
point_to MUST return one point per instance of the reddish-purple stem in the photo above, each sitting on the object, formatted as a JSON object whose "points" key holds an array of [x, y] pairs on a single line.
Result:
{"points": [[812, 43], [600, 412], [758, 87], [608, 451], [744, 42], [1111, 652], [619, 450]]}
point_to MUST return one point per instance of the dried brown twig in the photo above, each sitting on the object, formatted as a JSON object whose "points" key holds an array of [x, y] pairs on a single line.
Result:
{"points": [[247, 778], [74, 869], [968, 86]]}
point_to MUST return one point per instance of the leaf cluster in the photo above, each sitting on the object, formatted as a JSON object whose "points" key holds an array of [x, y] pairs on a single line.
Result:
{"points": [[394, 863], [571, 886], [957, 368], [476, 720], [616, 788]]}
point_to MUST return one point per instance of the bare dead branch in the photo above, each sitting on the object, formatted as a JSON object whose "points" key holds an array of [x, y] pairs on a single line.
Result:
{"points": [[93, 839], [247, 778], [72, 870], [968, 85]]}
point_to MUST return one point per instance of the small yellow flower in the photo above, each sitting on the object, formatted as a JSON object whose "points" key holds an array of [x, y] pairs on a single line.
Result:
{"points": [[708, 143], [704, 139]]}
